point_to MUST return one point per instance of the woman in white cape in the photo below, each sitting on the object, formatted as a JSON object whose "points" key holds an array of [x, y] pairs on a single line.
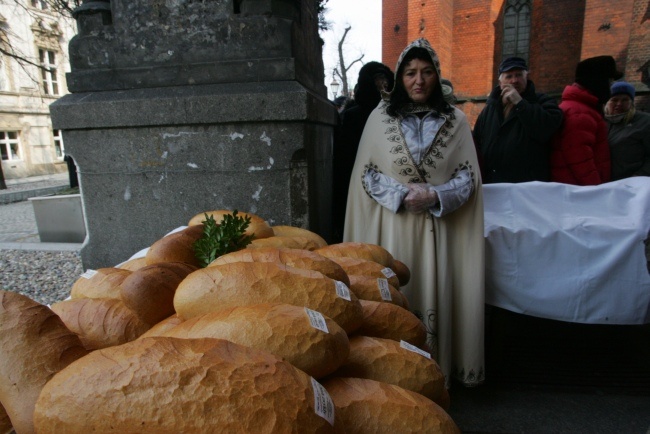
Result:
{"points": [[416, 190]]}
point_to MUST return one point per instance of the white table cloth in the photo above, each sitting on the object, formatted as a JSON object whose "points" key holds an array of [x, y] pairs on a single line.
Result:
{"points": [[569, 253]]}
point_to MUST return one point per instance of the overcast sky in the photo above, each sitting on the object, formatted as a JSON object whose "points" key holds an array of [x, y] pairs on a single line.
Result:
{"points": [[364, 16]]}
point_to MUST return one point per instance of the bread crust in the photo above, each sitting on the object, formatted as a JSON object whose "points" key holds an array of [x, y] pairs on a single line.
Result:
{"points": [[258, 227], [389, 321], [292, 231], [176, 247], [100, 283], [368, 288], [365, 267]]}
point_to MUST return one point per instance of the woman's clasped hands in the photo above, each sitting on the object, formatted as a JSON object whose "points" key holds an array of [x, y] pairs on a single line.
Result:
{"points": [[420, 198]]}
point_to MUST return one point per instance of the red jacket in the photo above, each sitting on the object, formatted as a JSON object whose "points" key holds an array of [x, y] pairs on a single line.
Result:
{"points": [[580, 151]]}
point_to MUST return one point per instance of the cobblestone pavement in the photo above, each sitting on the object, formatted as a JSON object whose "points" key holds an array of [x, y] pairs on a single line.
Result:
{"points": [[18, 223]]}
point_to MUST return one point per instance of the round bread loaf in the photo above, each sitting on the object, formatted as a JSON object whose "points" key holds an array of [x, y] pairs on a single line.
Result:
{"points": [[286, 242], [168, 385], [369, 406], [376, 289], [297, 258], [403, 272], [160, 328], [390, 362], [220, 287], [369, 252], [149, 291], [100, 283], [281, 329], [100, 322], [176, 247], [389, 321], [364, 267], [133, 264], [292, 231], [257, 227], [5, 422], [34, 345]]}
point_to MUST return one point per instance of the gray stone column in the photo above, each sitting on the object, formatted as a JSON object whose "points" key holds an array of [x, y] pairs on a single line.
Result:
{"points": [[184, 106]]}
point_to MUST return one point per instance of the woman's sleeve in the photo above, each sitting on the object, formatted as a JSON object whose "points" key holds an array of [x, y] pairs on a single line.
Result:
{"points": [[453, 194]]}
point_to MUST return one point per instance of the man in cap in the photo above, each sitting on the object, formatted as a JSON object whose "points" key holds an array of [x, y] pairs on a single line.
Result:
{"points": [[580, 154], [513, 131]]}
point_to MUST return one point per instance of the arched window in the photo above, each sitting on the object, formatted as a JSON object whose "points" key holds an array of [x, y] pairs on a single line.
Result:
{"points": [[516, 28]]}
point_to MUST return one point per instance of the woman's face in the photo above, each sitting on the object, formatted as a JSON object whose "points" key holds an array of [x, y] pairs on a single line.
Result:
{"points": [[619, 104], [419, 79]]}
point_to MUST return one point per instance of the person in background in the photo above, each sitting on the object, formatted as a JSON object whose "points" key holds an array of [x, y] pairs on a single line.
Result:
{"points": [[448, 91], [374, 78], [513, 131], [339, 103], [72, 171], [416, 191], [580, 151], [629, 133]]}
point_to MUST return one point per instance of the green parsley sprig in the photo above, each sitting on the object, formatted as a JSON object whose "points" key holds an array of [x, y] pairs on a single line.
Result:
{"points": [[219, 239]]}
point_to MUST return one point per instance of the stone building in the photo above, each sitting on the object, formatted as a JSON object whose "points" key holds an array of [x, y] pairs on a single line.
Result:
{"points": [[473, 36], [34, 32]]}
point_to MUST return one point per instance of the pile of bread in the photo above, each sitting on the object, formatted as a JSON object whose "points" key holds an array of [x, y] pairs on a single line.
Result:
{"points": [[287, 335]]}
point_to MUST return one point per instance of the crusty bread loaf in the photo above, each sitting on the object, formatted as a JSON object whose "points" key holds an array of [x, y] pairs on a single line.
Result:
{"points": [[220, 287], [391, 362], [100, 322], [298, 258], [403, 272], [133, 264], [167, 385], [100, 283], [369, 252], [389, 321], [258, 227], [5, 422], [160, 328], [149, 291], [34, 345], [292, 231], [364, 267], [376, 289], [369, 406], [286, 242], [281, 329], [176, 247]]}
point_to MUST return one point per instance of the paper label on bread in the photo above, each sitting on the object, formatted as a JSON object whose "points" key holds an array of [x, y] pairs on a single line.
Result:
{"points": [[388, 272], [317, 320], [413, 348], [384, 290], [323, 403], [342, 290], [89, 274]]}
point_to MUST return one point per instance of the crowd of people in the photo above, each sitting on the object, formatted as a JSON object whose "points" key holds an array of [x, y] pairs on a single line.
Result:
{"points": [[409, 172]]}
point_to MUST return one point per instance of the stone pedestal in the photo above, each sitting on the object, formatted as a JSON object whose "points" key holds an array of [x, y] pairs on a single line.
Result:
{"points": [[180, 107]]}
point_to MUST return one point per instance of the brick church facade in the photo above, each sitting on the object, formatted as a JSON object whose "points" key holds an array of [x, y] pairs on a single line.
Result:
{"points": [[472, 36]]}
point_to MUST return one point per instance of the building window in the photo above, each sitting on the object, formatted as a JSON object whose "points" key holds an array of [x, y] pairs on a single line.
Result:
{"points": [[516, 28], [58, 143], [40, 4], [9, 145], [47, 59]]}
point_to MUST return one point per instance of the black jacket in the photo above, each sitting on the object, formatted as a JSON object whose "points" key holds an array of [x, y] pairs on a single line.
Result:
{"points": [[516, 149]]}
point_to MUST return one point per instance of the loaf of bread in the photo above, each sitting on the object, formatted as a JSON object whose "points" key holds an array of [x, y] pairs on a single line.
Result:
{"points": [[369, 252], [285, 242], [376, 289], [393, 362], [34, 345], [5, 422], [100, 322], [403, 272], [176, 247], [364, 267], [292, 231], [133, 264], [220, 287], [369, 406], [257, 227], [149, 291], [100, 283], [308, 340], [160, 328], [389, 321], [298, 258], [167, 385]]}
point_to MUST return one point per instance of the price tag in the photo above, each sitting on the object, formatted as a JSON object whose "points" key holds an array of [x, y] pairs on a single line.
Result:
{"points": [[342, 290], [317, 320], [415, 349], [323, 402], [384, 290], [88, 274], [388, 272]]}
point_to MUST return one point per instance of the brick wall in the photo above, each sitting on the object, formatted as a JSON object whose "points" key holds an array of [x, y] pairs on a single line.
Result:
{"points": [[395, 30]]}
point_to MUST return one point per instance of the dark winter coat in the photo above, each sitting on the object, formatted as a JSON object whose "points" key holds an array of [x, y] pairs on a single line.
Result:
{"points": [[629, 144], [516, 149], [580, 153]]}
